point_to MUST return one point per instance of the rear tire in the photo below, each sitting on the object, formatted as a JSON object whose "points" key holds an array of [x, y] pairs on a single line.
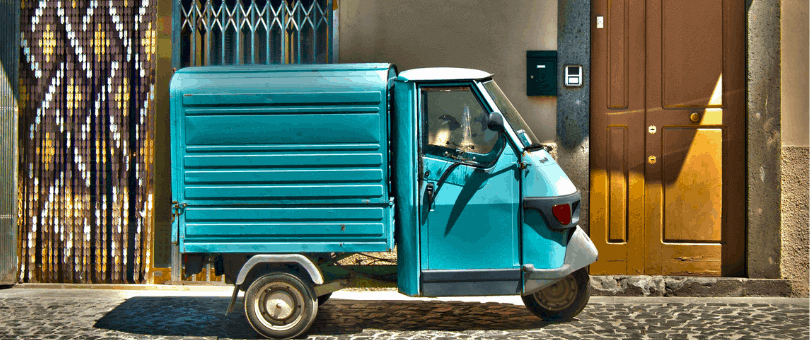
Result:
{"points": [[563, 300], [280, 305]]}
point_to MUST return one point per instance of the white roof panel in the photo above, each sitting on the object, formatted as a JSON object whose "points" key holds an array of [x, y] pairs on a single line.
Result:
{"points": [[442, 73]]}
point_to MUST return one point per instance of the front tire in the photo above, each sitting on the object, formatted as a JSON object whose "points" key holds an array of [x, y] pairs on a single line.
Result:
{"points": [[563, 300], [280, 305]]}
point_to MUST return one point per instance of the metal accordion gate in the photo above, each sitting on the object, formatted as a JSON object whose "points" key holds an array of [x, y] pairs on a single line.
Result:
{"points": [[235, 32]]}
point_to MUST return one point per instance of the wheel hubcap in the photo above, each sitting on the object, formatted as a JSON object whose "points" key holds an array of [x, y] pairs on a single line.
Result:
{"points": [[559, 295], [279, 306]]}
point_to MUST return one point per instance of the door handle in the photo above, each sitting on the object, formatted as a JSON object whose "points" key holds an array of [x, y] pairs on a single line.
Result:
{"points": [[429, 191], [434, 190]]}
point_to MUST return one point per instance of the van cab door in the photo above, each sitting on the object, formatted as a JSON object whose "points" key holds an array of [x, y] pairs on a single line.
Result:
{"points": [[470, 198]]}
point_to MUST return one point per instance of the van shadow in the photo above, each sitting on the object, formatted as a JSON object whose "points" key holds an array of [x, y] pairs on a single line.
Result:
{"points": [[205, 316]]}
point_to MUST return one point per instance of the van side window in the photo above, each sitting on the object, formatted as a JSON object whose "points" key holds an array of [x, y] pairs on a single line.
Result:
{"points": [[456, 125]]}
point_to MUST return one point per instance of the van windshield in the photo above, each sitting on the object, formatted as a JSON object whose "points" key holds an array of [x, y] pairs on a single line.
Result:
{"points": [[511, 114]]}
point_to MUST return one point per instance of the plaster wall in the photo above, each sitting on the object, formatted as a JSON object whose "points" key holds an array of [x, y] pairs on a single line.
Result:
{"points": [[795, 179], [161, 251], [795, 155], [763, 120], [795, 72], [492, 36]]}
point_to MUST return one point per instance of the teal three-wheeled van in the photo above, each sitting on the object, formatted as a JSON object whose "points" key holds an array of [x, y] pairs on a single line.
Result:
{"points": [[280, 172]]}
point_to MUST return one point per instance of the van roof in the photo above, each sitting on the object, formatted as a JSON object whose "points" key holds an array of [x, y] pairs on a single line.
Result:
{"points": [[283, 68], [442, 73]]}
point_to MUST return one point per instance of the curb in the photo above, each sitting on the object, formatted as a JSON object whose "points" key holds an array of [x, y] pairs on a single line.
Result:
{"points": [[105, 286], [603, 286], [689, 286]]}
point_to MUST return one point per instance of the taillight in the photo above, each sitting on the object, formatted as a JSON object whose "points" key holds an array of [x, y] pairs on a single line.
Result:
{"points": [[562, 212]]}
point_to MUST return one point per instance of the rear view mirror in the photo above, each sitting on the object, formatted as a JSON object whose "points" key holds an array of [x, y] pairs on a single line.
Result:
{"points": [[495, 121]]}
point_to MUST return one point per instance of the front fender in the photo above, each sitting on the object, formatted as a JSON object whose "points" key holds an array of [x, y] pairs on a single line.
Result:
{"points": [[579, 253]]}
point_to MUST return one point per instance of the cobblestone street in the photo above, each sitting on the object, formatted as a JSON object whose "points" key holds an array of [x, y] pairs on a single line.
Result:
{"points": [[126, 314]]}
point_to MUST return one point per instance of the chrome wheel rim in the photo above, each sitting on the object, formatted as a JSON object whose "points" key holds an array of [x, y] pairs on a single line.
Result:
{"points": [[558, 296], [279, 306]]}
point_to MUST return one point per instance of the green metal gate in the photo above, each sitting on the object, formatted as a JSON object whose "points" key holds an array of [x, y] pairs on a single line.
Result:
{"points": [[9, 84], [245, 32]]}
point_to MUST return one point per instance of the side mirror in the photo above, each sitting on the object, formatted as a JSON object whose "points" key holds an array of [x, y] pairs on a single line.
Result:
{"points": [[495, 121]]}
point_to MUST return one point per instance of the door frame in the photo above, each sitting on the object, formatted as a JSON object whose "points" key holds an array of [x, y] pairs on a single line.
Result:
{"points": [[734, 227], [464, 282]]}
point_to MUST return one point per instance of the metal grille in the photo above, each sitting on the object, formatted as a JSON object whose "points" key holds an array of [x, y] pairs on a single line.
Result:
{"points": [[86, 139], [232, 32], [9, 56]]}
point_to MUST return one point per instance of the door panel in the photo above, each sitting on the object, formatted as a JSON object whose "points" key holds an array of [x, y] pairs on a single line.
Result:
{"points": [[700, 157], [693, 184], [618, 179], [683, 136], [617, 155], [617, 52], [473, 223], [691, 42]]}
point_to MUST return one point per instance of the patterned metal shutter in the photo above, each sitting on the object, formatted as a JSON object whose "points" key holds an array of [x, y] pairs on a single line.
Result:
{"points": [[9, 92], [86, 122]]}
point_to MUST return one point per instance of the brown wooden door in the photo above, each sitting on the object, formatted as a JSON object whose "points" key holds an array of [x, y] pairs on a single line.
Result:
{"points": [[667, 137]]}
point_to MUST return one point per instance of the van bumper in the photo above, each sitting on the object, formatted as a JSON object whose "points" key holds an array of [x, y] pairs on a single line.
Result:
{"points": [[579, 253]]}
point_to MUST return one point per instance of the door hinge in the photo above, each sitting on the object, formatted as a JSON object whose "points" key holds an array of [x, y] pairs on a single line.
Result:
{"points": [[177, 210], [523, 165]]}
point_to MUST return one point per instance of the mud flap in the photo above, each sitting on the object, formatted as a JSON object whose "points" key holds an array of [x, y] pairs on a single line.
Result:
{"points": [[233, 299]]}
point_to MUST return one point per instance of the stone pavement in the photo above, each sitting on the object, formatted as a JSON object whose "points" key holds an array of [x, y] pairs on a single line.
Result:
{"points": [[27, 313]]}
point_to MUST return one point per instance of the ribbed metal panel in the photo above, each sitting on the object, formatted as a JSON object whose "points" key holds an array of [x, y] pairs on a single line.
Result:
{"points": [[296, 162], [9, 56]]}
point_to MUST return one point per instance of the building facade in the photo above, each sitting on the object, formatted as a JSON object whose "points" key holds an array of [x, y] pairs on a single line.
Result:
{"points": [[688, 136]]}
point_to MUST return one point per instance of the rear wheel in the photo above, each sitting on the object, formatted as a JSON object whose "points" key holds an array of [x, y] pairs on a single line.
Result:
{"points": [[563, 300], [280, 305]]}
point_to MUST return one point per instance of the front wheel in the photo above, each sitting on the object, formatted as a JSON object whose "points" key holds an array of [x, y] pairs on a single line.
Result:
{"points": [[280, 305], [563, 300]]}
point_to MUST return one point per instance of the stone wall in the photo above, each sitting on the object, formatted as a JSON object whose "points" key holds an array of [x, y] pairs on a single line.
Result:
{"points": [[573, 103], [764, 138]]}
